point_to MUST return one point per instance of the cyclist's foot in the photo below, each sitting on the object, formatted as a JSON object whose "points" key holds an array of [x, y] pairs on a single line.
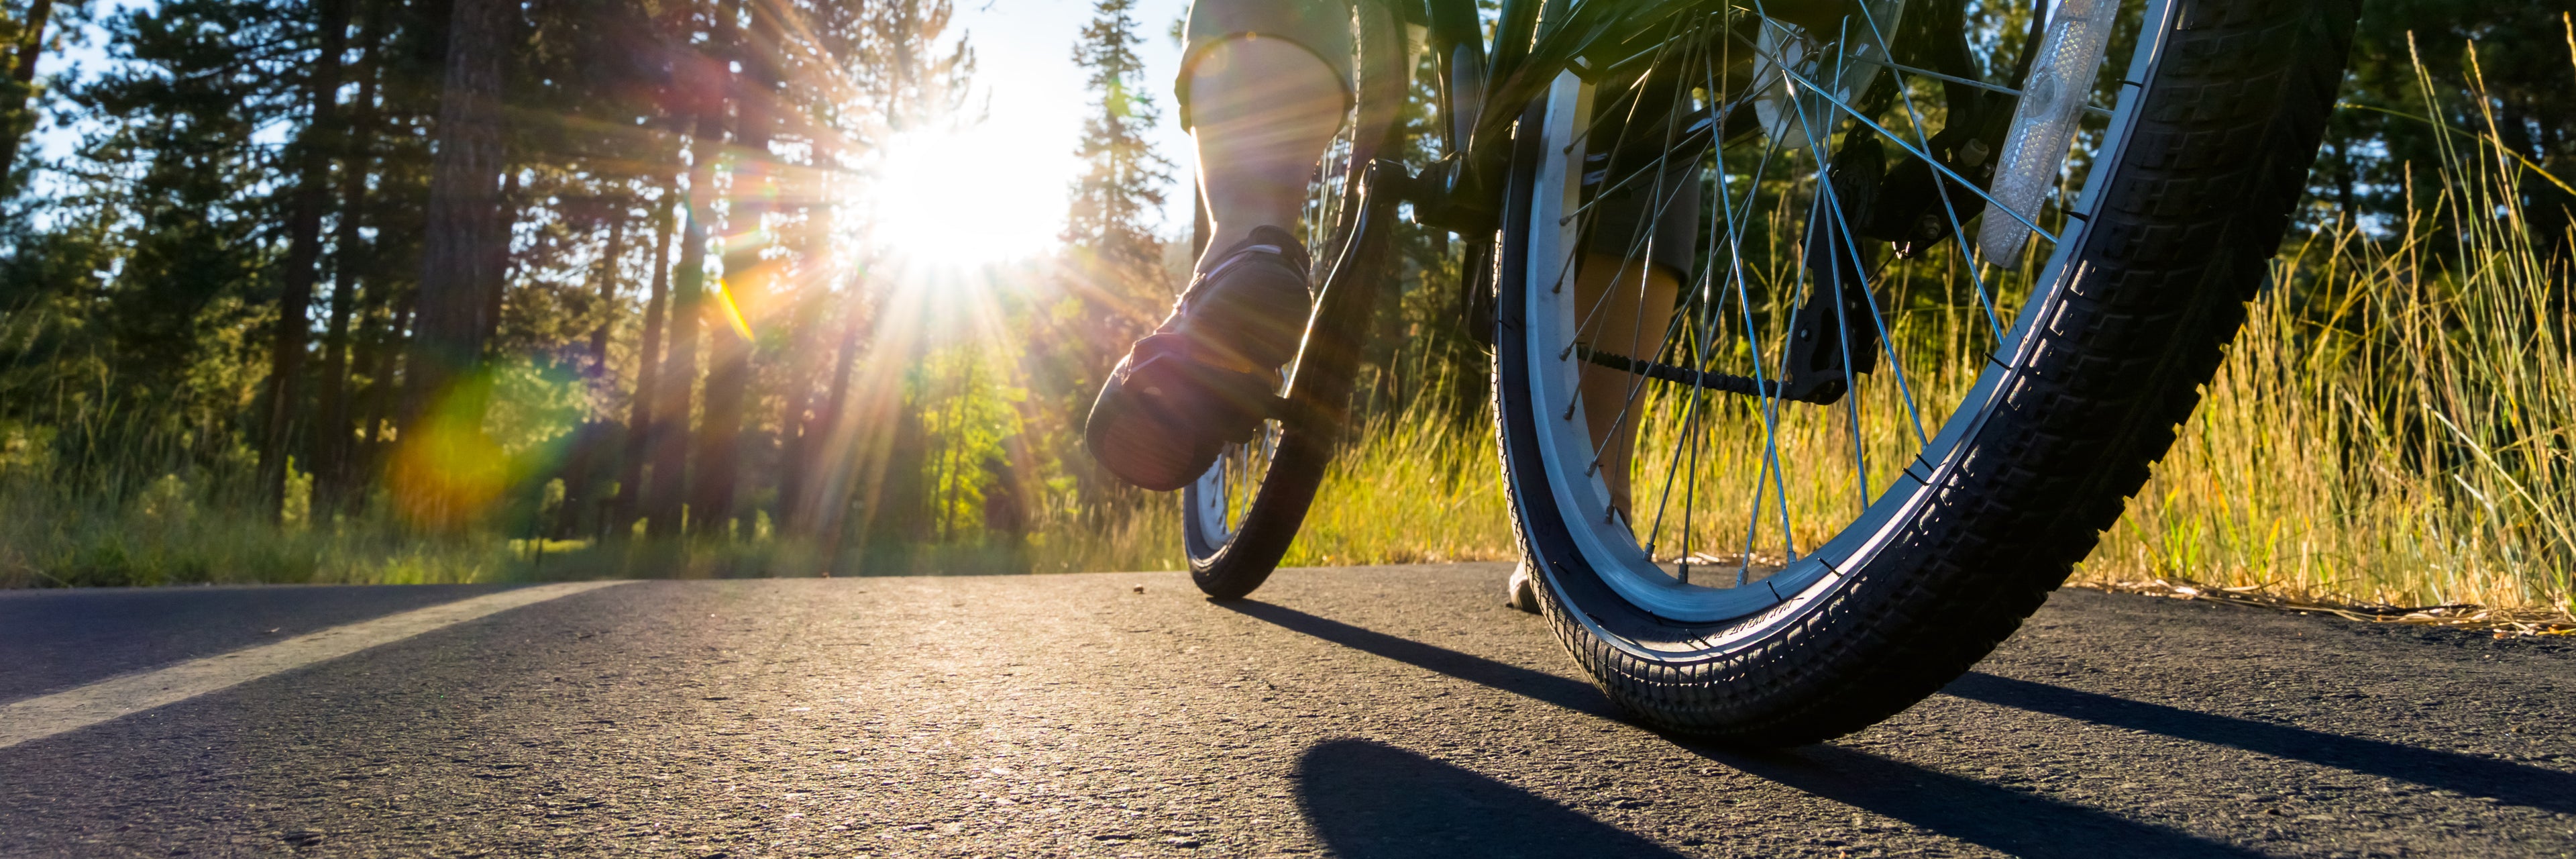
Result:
{"points": [[1520, 591], [1208, 374]]}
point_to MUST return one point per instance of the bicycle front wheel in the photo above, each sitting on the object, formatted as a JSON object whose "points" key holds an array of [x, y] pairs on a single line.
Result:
{"points": [[1794, 439]]}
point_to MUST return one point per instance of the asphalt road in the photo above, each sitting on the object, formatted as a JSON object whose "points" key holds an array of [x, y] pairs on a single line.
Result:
{"points": [[1366, 712]]}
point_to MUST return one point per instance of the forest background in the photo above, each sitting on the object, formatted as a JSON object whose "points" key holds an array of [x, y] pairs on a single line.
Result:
{"points": [[439, 290]]}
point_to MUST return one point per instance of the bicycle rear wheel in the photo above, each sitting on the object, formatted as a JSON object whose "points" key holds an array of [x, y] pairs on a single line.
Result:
{"points": [[1854, 475]]}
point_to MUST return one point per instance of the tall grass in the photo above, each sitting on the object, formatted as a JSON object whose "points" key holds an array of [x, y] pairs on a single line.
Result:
{"points": [[1409, 489], [2395, 424], [176, 531], [1433, 494]]}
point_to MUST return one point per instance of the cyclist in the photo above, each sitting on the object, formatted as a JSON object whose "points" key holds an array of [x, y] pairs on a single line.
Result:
{"points": [[1264, 88]]}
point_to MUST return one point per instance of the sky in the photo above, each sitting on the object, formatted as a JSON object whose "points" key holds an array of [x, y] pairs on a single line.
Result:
{"points": [[1026, 74]]}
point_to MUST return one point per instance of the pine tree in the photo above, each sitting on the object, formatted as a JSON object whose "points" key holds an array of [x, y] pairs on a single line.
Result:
{"points": [[1117, 198], [25, 40], [1115, 283], [282, 426], [332, 437]]}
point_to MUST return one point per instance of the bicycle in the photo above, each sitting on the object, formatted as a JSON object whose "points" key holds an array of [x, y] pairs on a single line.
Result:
{"points": [[1831, 591]]}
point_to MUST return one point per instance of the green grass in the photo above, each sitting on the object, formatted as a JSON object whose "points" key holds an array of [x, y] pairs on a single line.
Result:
{"points": [[170, 534]]}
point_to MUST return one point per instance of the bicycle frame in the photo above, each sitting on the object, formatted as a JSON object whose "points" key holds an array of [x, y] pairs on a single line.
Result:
{"points": [[1461, 192], [1535, 41]]}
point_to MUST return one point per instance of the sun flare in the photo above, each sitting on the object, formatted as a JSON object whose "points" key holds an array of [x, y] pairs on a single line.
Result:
{"points": [[952, 199]]}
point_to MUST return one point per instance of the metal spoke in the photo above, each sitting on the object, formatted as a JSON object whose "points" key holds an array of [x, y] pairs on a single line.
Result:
{"points": [[1714, 122], [1842, 236], [1608, 207], [1700, 353], [1692, 130], [1640, 248], [1572, 265], [1710, 298], [1828, 96], [1753, 338], [1819, 202], [1983, 85], [1690, 413], [1842, 338], [1958, 233], [1852, 244]]}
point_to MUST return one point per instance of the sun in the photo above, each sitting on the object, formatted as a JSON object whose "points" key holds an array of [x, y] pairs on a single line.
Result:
{"points": [[959, 198]]}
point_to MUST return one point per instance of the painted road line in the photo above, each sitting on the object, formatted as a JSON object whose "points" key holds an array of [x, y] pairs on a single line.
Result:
{"points": [[80, 707]]}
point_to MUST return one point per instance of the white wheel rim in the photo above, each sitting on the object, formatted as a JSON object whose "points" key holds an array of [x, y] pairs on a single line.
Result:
{"points": [[1565, 447]]}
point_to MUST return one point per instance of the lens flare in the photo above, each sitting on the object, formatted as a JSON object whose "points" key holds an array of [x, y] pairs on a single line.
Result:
{"points": [[947, 199]]}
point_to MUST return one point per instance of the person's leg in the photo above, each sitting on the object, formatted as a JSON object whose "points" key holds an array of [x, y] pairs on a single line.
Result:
{"points": [[1635, 298], [1634, 309], [1640, 240], [1263, 89], [1262, 112]]}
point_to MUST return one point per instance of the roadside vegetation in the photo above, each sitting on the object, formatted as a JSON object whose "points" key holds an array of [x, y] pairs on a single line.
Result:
{"points": [[2396, 425], [607, 392]]}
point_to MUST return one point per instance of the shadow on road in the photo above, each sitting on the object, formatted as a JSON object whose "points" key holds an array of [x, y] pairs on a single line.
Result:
{"points": [[1366, 798], [2548, 790], [1376, 802], [1996, 818], [1537, 685]]}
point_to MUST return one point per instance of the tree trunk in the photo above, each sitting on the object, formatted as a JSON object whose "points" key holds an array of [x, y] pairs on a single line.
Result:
{"points": [[452, 310], [608, 289], [454, 305], [665, 506], [496, 256], [796, 426], [16, 118], [835, 462], [303, 252], [332, 477], [584, 468], [640, 415], [745, 284], [385, 347]]}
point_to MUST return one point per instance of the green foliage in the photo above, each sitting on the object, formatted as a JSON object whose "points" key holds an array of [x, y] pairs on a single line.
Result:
{"points": [[533, 406], [2501, 71], [966, 414]]}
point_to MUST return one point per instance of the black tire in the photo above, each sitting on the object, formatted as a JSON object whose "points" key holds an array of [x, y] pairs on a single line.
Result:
{"points": [[1230, 562], [2211, 162], [1231, 565]]}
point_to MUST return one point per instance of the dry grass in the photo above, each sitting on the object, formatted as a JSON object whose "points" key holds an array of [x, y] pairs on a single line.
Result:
{"points": [[2406, 445], [2395, 428], [1411, 491]]}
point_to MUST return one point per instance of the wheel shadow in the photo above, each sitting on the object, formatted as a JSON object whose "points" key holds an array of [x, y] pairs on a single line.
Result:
{"points": [[1540, 686], [1367, 799], [2518, 784], [1379, 802], [1996, 818]]}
